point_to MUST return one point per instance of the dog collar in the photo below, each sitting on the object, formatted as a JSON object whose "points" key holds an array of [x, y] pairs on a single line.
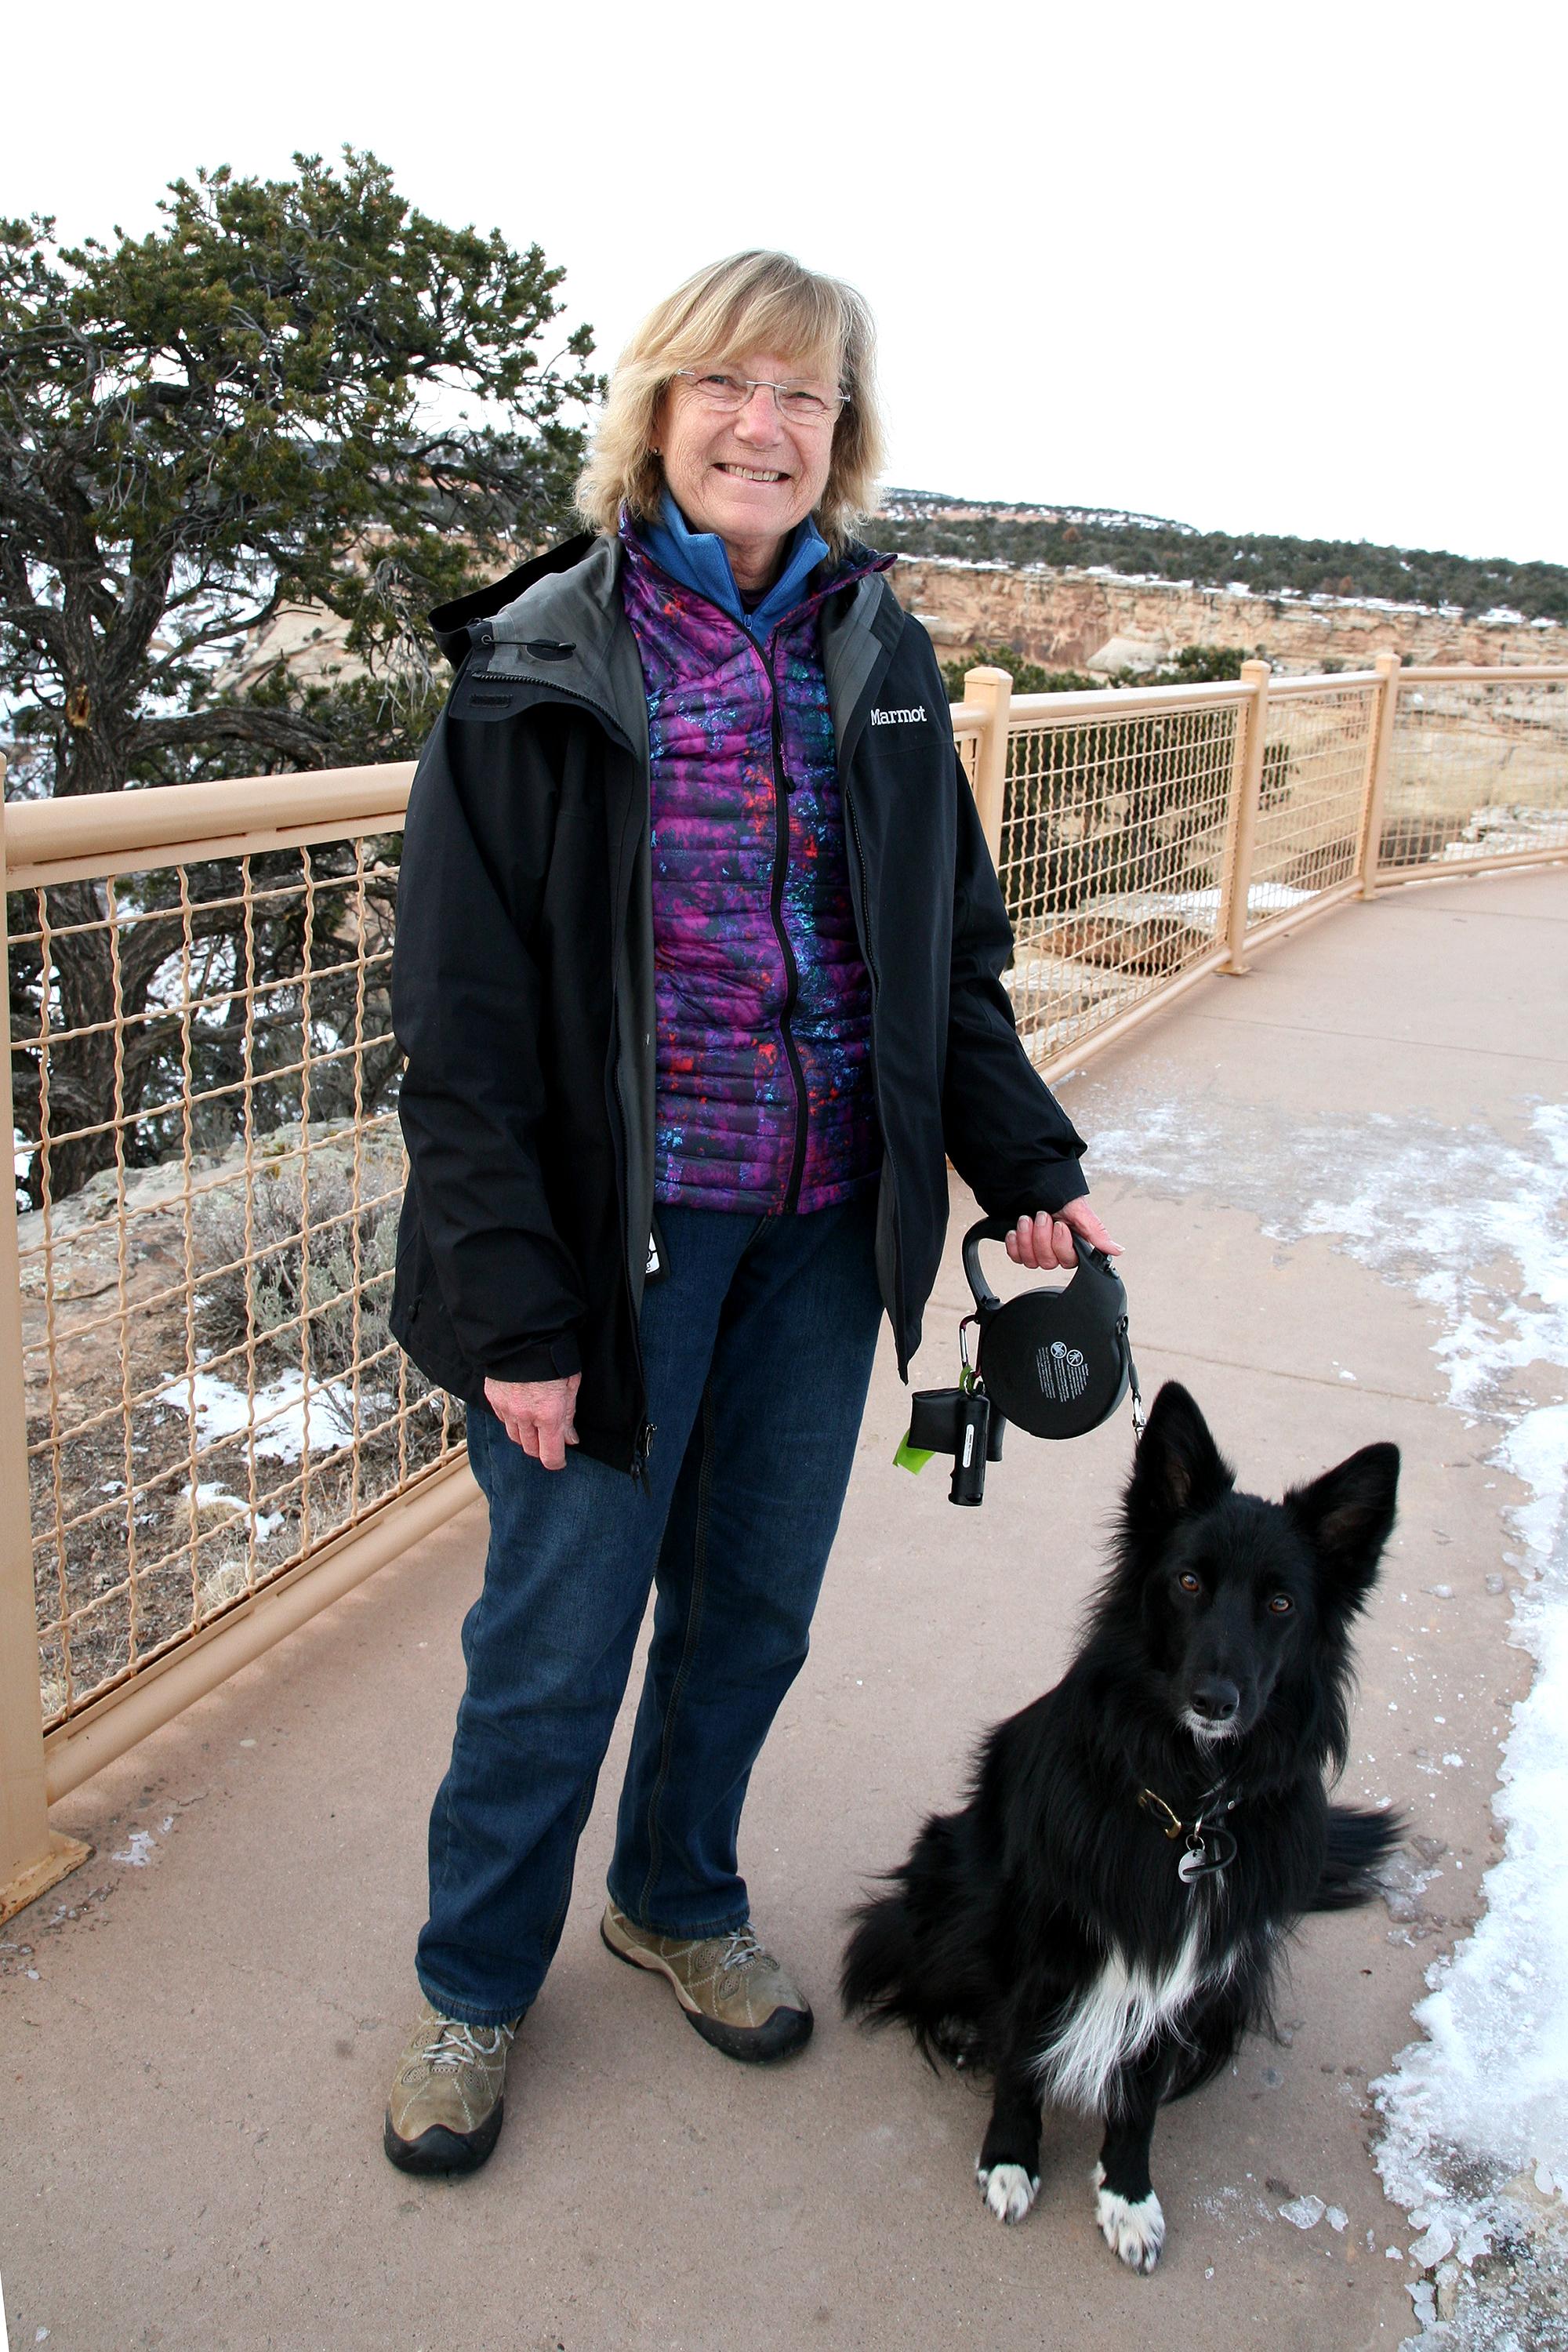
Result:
{"points": [[1209, 1844]]}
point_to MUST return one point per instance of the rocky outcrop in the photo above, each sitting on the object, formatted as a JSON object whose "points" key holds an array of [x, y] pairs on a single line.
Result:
{"points": [[178, 1413], [1082, 620]]}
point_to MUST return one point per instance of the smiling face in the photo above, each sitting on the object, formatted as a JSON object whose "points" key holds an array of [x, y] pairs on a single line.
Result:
{"points": [[750, 477]]}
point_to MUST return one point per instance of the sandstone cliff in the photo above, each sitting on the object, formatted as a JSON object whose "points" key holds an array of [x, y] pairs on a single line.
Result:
{"points": [[1082, 620]]}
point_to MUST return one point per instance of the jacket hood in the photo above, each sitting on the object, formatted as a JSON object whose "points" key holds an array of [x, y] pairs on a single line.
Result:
{"points": [[556, 624], [450, 622]]}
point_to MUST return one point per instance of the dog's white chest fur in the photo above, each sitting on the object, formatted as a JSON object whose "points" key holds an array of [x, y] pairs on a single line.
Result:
{"points": [[1114, 2020]]}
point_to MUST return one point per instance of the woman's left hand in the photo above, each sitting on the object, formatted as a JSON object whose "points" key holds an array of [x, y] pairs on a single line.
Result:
{"points": [[1046, 1239]]}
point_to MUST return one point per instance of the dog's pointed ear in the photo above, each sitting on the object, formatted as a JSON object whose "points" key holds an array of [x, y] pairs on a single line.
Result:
{"points": [[1347, 1516], [1178, 1468]]}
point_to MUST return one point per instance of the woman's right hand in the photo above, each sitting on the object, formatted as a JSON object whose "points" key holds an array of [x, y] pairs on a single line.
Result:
{"points": [[537, 1415]]}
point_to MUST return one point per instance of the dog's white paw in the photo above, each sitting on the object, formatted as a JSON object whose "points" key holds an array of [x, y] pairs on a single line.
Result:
{"points": [[1008, 2189], [1135, 2233]]}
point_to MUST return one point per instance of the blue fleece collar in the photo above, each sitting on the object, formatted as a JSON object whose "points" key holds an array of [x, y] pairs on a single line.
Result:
{"points": [[699, 559]]}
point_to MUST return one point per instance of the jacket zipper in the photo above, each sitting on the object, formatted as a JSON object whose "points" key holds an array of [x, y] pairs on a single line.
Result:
{"points": [[781, 790], [646, 1430], [643, 1439], [870, 954]]}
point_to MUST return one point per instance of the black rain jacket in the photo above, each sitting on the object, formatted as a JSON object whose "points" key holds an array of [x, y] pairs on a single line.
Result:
{"points": [[523, 988]]}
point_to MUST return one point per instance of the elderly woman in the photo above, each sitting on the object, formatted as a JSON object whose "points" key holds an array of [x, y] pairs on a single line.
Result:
{"points": [[697, 976]]}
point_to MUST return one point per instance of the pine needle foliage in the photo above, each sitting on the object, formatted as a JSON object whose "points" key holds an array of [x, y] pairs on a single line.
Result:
{"points": [[291, 392]]}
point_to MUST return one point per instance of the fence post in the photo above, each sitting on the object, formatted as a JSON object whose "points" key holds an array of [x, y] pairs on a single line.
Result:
{"points": [[1382, 745], [31, 1857], [990, 690], [1245, 784]]}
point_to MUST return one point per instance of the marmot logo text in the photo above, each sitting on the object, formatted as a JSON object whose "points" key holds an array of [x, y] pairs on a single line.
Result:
{"points": [[898, 718]]}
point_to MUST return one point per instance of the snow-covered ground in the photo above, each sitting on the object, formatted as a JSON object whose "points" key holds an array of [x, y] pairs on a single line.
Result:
{"points": [[1475, 2110], [287, 1422], [1476, 2113]]}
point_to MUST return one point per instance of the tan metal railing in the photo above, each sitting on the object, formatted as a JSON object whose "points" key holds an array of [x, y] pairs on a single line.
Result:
{"points": [[1476, 772], [205, 1429], [212, 1424], [1150, 836]]}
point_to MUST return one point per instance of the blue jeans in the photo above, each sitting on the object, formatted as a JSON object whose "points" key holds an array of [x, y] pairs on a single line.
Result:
{"points": [[757, 1347]]}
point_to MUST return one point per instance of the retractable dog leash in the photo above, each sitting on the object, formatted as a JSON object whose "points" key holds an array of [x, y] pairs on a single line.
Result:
{"points": [[1057, 1362]]}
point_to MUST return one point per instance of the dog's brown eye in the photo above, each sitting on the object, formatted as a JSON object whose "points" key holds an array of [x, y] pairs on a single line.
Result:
{"points": [[1281, 1604], [1189, 1583]]}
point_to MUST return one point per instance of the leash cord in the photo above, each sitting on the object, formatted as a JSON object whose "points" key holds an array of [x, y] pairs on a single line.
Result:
{"points": [[1140, 1418]]}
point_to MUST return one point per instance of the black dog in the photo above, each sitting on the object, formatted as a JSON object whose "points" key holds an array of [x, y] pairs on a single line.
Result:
{"points": [[1100, 1923]]}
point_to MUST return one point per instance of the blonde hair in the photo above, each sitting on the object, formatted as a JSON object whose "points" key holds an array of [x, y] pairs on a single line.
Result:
{"points": [[752, 302]]}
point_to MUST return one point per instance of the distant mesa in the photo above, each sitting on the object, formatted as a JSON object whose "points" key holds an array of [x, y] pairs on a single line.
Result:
{"points": [[1118, 594]]}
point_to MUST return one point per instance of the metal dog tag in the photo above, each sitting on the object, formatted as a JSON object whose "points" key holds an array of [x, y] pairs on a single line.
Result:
{"points": [[1198, 1862]]}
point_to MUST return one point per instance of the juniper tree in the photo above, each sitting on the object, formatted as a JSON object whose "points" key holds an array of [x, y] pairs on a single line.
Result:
{"points": [[297, 391]]}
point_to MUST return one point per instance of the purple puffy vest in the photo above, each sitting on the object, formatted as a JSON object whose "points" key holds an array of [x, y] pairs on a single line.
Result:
{"points": [[763, 1098]]}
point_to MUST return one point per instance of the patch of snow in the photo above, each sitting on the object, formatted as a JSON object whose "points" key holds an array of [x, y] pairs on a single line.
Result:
{"points": [[1303, 2212], [1199, 908], [138, 1850], [287, 1423], [1435, 2244], [209, 1498], [1506, 826]]}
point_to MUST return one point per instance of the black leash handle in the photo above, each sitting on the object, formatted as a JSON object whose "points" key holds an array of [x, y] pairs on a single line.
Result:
{"points": [[996, 1229]]}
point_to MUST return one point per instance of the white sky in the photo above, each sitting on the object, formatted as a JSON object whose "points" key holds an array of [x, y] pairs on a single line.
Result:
{"points": [[1258, 269]]}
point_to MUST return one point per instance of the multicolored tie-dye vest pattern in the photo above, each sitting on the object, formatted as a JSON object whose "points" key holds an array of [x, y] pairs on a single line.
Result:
{"points": [[764, 1098]]}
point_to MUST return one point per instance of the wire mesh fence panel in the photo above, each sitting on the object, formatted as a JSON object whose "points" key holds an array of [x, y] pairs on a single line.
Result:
{"points": [[1317, 753], [208, 1172], [1114, 847], [1476, 769], [208, 1165]]}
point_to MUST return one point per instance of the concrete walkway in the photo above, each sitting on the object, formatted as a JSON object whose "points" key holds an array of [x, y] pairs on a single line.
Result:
{"points": [[198, 2028]]}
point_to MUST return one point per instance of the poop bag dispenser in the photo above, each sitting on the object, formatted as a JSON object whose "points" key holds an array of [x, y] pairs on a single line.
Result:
{"points": [[1056, 1362]]}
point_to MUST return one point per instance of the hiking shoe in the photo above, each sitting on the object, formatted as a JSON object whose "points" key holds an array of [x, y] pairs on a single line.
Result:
{"points": [[444, 2112], [733, 1990]]}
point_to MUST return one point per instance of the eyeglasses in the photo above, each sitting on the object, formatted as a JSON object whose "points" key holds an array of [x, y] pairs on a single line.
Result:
{"points": [[797, 404]]}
